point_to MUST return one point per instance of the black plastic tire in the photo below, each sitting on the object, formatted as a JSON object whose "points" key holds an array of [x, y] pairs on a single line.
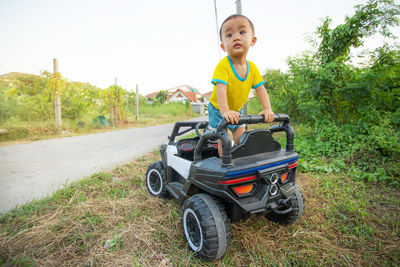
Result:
{"points": [[297, 202], [206, 226], [155, 180]]}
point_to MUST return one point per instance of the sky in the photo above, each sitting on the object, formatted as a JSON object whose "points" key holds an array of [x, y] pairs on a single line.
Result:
{"points": [[155, 44]]}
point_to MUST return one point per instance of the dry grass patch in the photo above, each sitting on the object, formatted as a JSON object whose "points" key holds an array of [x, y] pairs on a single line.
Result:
{"points": [[25, 132], [110, 219]]}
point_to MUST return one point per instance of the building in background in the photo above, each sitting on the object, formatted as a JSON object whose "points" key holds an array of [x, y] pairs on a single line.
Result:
{"points": [[185, 93], [182, 96], [180, 93]]}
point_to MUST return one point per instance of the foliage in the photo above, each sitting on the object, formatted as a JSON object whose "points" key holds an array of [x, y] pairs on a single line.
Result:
{"points": [[329, 88], [80, 100], [365, 154], [167, 109], [30, 98], [113, 99], [376, 15], [27, 106], [348, 115], [161, 96]]}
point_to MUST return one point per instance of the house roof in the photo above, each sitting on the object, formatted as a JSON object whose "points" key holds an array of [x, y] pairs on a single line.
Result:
{"points": [[153, 95], [185, 87], [190, 95]]}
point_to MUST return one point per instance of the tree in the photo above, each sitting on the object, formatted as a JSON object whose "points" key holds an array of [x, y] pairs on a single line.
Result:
{"points": [[329, 88], [161, 97], [375, 16], [114, 103]]}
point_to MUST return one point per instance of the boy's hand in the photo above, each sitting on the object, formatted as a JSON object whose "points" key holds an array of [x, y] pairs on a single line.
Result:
{"points": [[231, 116], [268, 114]]}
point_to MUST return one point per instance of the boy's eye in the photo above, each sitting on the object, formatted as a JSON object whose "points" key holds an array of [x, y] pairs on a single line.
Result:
{"points": [[242, 32], [229, 35]]}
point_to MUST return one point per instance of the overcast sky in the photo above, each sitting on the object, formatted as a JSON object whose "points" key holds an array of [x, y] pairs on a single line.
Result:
{"points": [[157, 44]]}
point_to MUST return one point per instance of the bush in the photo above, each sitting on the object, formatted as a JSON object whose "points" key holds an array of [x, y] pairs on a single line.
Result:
{"points": [[370, 155], [347, 116]]}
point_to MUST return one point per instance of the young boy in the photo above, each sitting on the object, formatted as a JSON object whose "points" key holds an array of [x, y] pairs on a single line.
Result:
{"points": [[234, 76]]}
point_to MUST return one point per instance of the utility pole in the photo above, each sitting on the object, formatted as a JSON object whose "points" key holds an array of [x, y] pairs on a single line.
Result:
{"points": [[216, 25], [239, 7], [57, 97], [239, 11], [113, 112]]}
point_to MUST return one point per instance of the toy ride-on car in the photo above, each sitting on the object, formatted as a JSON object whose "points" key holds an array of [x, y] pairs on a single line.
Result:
{"points": [[254, 176]]}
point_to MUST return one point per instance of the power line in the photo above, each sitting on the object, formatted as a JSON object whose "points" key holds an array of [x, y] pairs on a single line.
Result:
{"points": [[216, 25]]}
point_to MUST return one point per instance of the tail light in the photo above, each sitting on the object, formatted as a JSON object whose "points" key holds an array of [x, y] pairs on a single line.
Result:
{"points": [[284, 177], [241, 190], [245, 189]]}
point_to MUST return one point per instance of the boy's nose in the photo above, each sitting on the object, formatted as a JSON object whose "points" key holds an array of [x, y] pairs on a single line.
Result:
{"points": [[236, 36]]}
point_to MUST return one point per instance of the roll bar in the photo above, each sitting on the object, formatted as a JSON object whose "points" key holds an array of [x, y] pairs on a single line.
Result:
{"points": [[252, 119], [221, 133], [191, 124]]}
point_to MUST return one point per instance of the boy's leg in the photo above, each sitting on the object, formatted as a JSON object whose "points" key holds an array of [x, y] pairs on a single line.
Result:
{"points": [[219, 147], [214, 117], [236, 138], [237, 134]]}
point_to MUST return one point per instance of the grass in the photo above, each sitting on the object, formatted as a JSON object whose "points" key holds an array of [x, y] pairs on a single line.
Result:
{"points": [[32, 131], [111, 219]]}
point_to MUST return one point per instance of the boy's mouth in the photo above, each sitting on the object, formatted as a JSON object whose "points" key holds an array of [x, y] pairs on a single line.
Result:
{"points": [[237, 45]]}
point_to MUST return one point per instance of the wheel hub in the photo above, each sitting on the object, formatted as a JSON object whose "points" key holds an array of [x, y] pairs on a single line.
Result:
{"points": [[192, 229], [154, 181]]}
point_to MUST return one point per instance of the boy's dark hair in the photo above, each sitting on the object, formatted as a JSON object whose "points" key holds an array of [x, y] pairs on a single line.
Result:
{"points": [[233, 17]]}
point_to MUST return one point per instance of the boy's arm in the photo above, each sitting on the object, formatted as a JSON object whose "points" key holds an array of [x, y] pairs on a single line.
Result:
{"points": [[264, 99], [229, 115]]}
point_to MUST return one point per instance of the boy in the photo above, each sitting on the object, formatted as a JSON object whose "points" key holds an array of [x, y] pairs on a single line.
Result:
{"points": [[234, 76]]}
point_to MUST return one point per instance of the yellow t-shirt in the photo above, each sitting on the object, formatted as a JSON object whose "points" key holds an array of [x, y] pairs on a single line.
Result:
{"points": [[238, 88]]}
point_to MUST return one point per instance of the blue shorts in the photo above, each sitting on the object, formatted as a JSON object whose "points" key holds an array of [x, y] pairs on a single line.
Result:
{"points": [[215, 117]]}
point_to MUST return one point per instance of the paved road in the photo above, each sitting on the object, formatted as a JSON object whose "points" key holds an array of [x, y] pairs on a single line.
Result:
{"points": [[34, 170]]}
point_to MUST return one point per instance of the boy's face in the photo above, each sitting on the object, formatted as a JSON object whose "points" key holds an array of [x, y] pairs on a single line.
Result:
{"points": [[237, 37]]}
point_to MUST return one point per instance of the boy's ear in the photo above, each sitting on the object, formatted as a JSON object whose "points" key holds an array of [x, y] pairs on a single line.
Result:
{"points": [[223, 47], [253, 41]]}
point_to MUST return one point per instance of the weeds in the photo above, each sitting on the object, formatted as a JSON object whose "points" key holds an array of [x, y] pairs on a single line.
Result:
{"points": [[370, 155], [39, 130], [110, 219]]}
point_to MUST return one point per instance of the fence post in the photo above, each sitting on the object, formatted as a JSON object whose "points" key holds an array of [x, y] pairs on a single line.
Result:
{"points": [[113, 111], [137, 102], [57, 98]]}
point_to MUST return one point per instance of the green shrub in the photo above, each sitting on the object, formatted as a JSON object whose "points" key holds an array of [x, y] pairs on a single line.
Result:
{"points": [[370, 154]]}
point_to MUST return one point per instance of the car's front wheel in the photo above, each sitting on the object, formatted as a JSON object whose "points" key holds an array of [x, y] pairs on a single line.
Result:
{"points": [[155, 180]]}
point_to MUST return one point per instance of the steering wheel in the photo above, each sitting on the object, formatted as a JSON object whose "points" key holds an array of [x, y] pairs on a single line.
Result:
{"points": [[199, 134], [198, 130]]}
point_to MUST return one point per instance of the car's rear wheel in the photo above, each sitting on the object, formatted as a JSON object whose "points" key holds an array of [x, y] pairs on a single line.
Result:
{"points": [[297, 203], [206, 226]]}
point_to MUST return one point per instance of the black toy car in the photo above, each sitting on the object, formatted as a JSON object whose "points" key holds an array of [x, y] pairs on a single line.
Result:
{"points": [[255, 176]]}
